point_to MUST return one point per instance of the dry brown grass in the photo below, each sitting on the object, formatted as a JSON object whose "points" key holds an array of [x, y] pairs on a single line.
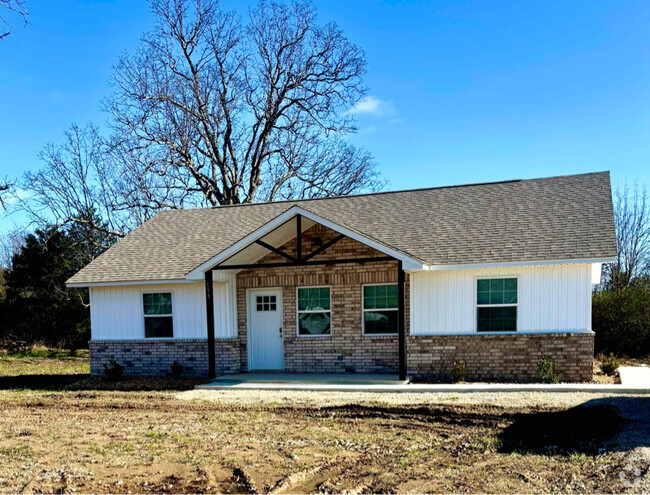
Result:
{"points": [[93, 440], [151, 442]]}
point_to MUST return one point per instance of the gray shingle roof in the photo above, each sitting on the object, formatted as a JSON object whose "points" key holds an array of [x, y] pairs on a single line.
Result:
{"points": [[558, 218]]}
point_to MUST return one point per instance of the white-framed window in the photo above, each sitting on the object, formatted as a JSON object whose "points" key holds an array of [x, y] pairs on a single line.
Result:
{"points": [[496, 304], [380, 309], [157, 311], [314, 315]]}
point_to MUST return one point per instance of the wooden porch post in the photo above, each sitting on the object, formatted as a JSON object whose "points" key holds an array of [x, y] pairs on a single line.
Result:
{"points": [[209, 306], [401, 282]]}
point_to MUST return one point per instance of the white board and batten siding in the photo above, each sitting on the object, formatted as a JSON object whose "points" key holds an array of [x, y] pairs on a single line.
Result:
{"points": [[551, 298], [116, 312]]}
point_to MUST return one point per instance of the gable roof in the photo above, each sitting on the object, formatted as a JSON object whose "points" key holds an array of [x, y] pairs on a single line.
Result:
{"points": [[284, 227], [538, 220]]}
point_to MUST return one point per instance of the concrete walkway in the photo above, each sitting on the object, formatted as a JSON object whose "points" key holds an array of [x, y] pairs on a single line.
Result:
{"points": [[634, 376], [390, 383]]}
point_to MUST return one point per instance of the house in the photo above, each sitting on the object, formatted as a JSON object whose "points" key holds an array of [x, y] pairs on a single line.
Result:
{"points": [[496, 275]]}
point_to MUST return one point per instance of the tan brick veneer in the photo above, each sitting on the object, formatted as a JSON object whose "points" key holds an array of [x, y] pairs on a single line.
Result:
{"points": [[488, 357], [155, 357], [502, 357]]}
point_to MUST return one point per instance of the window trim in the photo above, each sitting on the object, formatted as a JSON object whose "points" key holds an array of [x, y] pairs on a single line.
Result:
{"points": [[477, 305], [363, 312], [144, 328], [330, 311]]}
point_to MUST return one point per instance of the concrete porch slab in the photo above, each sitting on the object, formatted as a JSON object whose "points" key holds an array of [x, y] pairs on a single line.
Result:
{"points": [[275, 380], [391, 384]]}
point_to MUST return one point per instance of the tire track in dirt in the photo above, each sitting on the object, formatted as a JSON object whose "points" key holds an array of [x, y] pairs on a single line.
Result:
{"points": [[335, 476], [243, 480], [292, 483]]}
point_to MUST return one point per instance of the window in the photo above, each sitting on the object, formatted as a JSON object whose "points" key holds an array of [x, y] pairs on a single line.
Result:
{"points": [[496, 301], [158, 321], [380, 309], [266, 303], [314, 312]]}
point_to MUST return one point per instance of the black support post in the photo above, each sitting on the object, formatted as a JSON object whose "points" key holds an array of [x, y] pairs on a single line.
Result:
{"points": [[299, 237], [401, 282], [209, 306]]}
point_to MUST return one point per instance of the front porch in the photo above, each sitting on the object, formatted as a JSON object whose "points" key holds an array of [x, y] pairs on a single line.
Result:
{"points": [[282, 325]]}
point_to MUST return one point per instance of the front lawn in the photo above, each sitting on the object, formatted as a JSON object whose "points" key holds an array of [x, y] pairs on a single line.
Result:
{"points": [[78, 436], [157, 442]]}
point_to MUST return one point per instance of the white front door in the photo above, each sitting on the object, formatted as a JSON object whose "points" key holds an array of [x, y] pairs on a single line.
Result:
{"points": [[265, 330]]}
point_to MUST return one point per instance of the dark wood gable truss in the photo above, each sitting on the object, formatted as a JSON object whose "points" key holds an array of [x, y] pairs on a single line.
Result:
{"points": [[303, 260], [300, 259]]}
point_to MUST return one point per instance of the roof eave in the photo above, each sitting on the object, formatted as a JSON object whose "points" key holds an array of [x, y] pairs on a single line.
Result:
{"points": [[82, 285], [570, 261]]}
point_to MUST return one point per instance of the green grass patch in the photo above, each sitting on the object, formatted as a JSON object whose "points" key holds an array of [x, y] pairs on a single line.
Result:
{"points": [[13, 453], [11, 366], [45, 353]]}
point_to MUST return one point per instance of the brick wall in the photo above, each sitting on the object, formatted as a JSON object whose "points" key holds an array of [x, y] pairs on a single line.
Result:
{"points": [[155, 357], [346, 349], [502, 357]]}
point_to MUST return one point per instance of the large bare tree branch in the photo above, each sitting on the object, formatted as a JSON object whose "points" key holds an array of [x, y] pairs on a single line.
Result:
{"points": [[16, 7], [5, 187], [76, 185]]}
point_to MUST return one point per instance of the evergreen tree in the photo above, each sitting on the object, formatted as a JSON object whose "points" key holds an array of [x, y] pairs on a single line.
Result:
{"points": [[38, 307]]}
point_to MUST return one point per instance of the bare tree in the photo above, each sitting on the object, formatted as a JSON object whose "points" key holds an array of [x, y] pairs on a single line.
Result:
{"points": [[632, 219], [10, 243], [214, 111], [78, 185], [5, 187], [209, 111], [15, 6]]}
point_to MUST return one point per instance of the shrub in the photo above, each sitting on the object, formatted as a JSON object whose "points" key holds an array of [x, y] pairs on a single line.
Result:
{"points": [[459, 373], [609, 364], [177, 369], [621, 321], [113, 370], [546, 371]]}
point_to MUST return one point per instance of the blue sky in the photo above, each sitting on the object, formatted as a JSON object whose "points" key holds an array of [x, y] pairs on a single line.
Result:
{"points": [[459, 91]]}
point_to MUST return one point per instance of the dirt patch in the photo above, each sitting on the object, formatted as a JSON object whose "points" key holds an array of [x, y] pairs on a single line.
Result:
{"points": [[152, 442], [62, 432], [578, 430]]}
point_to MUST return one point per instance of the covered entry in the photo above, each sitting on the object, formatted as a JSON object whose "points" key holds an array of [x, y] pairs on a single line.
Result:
{"points": [[264, 339]]}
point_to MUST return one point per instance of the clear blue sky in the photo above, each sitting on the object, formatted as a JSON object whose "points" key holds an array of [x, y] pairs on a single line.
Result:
{"points": [[460, 91]]}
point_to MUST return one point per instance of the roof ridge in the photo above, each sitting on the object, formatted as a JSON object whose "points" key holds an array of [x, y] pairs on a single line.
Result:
{"points": [[381, 193]]}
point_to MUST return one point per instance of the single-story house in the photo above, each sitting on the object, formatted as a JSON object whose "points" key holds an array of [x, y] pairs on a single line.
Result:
{"points": [[496, 275]]}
